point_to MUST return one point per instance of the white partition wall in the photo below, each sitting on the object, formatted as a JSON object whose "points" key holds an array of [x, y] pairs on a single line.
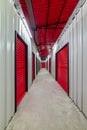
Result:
{"points": [[10, 22], [75, 34], [79, 59], [2, 66], [71, 63], [84, 14], [53, 65], [75, 48]]}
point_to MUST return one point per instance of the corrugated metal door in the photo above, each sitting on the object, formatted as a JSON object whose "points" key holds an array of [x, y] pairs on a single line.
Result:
{"points": [[62, 68], [43, 65], [21, 69], [33, 66]]}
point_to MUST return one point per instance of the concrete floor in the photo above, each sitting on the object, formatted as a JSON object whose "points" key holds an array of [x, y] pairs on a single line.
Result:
{"points": [[47, 107]]}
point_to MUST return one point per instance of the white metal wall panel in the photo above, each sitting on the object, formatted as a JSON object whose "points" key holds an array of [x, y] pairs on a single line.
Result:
{"points": [[9, 59], [75, 61], [53, 64], [2, 66], [84, 11], [72, 60], [13, 65], [48, 63], [10, 33], [71, 90], [76, 35], [35, 53], [79, 68], [29, 63], [9, 22]]}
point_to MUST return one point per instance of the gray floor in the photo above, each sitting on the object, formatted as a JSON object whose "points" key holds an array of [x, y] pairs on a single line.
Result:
{"points": [[47, 107]]}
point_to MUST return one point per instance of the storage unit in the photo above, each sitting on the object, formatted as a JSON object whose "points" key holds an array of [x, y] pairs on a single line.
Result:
{"points": [[33, 66], [43, 64], [62, 68], [20, 70]]}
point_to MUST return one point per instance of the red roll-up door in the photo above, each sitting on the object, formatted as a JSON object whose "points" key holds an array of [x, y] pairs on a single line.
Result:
{"points": [[33, 66], [21, 69], [43, 65], [50, 65], [62, 68]]}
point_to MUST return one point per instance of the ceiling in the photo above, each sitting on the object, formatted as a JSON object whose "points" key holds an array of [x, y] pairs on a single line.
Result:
{"points": [[46, 19]]}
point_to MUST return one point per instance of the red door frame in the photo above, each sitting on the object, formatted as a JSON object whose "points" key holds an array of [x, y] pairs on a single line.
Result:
{"points": [[17, 35], [56, 64]]}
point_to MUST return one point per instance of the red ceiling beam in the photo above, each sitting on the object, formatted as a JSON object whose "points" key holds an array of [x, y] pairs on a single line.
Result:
{"points": [[48, 25], [47, 28], [47, 20], [59, 17]]}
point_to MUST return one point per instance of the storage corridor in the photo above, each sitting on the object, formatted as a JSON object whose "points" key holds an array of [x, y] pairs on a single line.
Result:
{"points": [[47, 107]]}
